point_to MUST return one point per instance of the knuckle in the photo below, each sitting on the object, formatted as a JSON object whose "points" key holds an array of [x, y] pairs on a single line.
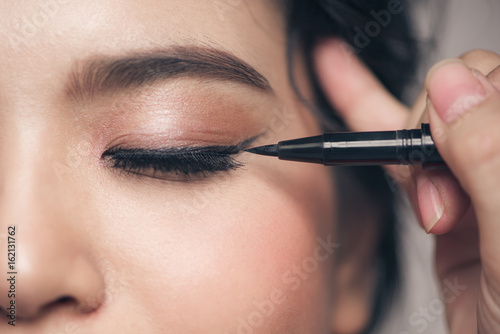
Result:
{"points": [[478, 57]]}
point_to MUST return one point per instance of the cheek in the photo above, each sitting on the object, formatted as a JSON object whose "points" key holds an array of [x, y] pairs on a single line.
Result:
{"points": [[274, 270], [254, 252], [258, 266]]}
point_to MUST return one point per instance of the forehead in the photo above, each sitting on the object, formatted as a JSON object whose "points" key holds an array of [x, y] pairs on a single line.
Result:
{"points": [[48, 34], [201, 19]]}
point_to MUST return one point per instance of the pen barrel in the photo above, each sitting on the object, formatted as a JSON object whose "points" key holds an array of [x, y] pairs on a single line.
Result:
{"points": [[310, 149], [418, 148], [409, 147]]}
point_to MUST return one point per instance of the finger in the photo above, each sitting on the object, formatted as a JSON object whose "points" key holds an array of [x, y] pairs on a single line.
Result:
{"points": [[458, 252], [425, 186], [440, 199], [464, 120], [464, 115], [353, 90], [482, 60], [455, 202], [439, 196]]}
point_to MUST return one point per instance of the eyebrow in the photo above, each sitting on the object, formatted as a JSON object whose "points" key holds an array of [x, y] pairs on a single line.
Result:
{"points": [[107, 75]]}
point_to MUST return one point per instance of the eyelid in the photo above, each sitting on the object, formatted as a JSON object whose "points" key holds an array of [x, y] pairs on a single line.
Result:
{"points": [[176, 161], [171, 151]]}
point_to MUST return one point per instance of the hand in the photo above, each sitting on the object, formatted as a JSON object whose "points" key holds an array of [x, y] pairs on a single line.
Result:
{"points": [[462, 205]]}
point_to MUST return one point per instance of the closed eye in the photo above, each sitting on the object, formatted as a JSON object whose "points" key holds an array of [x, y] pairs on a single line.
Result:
{"points": [[176, 163]]}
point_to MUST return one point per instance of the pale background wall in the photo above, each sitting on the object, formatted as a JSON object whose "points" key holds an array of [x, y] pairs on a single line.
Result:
{"points": [[470, 24], [458, 26]]}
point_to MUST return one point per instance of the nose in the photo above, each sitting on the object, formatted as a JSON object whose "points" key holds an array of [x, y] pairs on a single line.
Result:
{"points": [[45, 281], [50, 265]]}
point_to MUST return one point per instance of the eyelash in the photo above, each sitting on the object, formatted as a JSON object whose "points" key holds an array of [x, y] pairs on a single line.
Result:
{"points": [[175, 164]]}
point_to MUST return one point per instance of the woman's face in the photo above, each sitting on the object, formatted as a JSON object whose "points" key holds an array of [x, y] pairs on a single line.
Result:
{"points": [[104, 108]]}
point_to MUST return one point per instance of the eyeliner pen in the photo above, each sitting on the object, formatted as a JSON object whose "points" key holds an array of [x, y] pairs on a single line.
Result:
{"points": [[407, 147]]}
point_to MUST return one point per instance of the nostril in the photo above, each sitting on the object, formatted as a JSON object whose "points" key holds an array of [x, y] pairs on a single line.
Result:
{"points": [[68, 289], [64, 299]]}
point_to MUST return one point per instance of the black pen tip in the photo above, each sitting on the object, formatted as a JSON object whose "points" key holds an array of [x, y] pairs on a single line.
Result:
{"points": [[271, 150]]}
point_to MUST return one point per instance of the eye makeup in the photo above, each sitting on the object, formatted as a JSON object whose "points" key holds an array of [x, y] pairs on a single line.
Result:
{"points": [[176, 163]]}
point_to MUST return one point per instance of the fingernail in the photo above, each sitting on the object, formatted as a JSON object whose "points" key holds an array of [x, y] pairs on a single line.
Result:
{"points": [[454, 88], [429, 202]]}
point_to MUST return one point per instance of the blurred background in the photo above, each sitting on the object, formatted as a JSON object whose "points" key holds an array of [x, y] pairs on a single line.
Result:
{"points": [[450, 28], [468, 24]]}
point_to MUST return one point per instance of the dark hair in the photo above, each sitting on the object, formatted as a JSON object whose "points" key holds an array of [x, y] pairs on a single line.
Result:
{"points": [[391, 54]]}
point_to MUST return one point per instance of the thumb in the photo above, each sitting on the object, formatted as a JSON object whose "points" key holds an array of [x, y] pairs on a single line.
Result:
{"points": [[357, 95]]}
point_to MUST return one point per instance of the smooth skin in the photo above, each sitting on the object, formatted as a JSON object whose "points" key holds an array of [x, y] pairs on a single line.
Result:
{"points": [[461, 101], [103, 251]]}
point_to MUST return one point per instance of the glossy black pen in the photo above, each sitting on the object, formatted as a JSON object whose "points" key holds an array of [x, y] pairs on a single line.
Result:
{"points": [[408, 147]]}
